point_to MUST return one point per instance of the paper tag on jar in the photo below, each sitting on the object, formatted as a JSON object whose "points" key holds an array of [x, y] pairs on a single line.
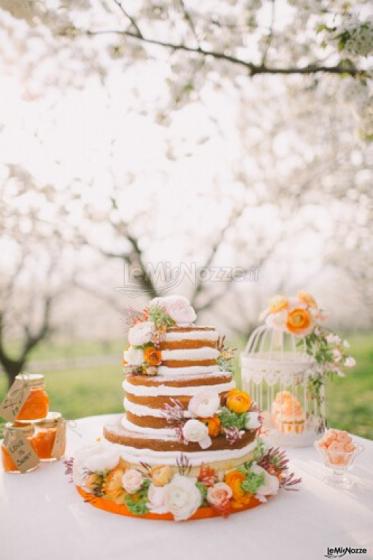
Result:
{"points": [[14, 399], [21, 452], [59, 444]]}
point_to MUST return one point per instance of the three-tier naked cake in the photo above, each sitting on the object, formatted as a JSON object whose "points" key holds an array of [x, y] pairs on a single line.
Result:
{"points": [[187, 445]]}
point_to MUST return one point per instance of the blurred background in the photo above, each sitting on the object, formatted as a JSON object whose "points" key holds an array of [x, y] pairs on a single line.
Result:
{"points": [[221, 150]]}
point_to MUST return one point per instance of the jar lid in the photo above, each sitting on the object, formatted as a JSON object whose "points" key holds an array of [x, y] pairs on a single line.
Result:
{"points": [[32, 379], [49, 421], [17, 428]]}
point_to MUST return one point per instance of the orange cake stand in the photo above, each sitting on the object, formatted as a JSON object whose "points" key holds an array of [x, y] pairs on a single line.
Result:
{"points": [[121, 509]]}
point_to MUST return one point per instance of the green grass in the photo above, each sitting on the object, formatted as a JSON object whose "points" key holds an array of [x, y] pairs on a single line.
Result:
{"points": [[97, 390], [350, 399]]}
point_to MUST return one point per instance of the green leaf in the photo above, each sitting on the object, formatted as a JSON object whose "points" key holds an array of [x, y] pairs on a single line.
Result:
{"points": [[231, 419], [160, 317], [252, 482], [137, 503], [203, 490]]}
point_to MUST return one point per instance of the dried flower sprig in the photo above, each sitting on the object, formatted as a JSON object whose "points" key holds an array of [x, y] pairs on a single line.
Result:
{"points": [[288, 482], [207, 475], [174, 412], [276, 462], [183, 464], [233, 435], [226, 355], [69, 465]]}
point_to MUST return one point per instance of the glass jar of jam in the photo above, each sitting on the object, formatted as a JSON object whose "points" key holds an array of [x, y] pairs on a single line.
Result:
{"points": [[17, 451], [36, 405], [49, 439]]}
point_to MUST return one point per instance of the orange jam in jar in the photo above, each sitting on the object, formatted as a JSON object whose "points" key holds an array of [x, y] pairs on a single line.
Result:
{"points": [[36, 405], [45, 436], [25, 431]]}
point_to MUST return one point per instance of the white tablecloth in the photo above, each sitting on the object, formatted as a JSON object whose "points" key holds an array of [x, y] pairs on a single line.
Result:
{"points": [[42, 517]]}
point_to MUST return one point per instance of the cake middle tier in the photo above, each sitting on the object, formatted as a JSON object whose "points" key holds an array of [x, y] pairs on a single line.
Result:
{"points": [[136, 442], [147, 398], [189, 350]]}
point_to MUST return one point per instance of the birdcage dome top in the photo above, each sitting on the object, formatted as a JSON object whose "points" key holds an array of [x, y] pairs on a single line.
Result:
{"points": [[274, 355], [273, 344]]}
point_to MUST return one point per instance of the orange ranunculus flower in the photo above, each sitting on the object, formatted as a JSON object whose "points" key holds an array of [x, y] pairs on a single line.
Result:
{"points": [[306, 298], [112, 487], [299, 320], [238, 401], [240, 498], [152, 356], [214, 425], [278, 303]]}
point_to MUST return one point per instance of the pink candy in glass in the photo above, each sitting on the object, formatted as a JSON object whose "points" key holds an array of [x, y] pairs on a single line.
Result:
{"points": [[338, 446]]}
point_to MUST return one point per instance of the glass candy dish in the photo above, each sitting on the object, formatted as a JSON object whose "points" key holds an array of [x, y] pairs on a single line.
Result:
{"points": [[339, 463]]}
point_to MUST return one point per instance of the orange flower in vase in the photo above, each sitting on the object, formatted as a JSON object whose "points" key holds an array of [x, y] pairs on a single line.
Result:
{"points": [[307, 299], [278, 303], [152, 356], [299, 321], [238, 401]]}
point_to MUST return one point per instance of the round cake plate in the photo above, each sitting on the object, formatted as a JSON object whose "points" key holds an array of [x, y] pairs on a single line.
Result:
{"points": [[121, 509]]}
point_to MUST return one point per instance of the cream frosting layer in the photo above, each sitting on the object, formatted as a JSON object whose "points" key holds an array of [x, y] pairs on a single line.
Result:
{"points": [[190, 370], [196, 458], [205, 353], [210, 334], [152, 433], [142, 410], [166, 391]]}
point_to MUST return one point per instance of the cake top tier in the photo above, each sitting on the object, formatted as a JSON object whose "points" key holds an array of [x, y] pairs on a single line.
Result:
{"points": [[163, 340]]}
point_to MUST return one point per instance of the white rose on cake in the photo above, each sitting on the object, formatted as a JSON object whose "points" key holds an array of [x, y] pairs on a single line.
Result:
{"points": [[270, 485], [197, 432], [157, 499], [252, 421], [141, 333], [94, 458], [132, 481], [177, 307], [134, 356], [204, 404], [182, 497]]}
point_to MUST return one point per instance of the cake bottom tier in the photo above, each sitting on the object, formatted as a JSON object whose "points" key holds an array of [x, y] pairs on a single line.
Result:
{"points": [[175, 485]]}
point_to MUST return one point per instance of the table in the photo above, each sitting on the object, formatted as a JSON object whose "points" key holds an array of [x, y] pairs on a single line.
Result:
{"points": [[42, 517]]}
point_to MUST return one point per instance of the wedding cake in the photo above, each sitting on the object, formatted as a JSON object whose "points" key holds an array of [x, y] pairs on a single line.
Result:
{"points": [[187, 446]]}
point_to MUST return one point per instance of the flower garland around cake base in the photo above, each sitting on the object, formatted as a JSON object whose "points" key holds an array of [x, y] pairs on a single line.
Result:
{"points": [[103, 476]]}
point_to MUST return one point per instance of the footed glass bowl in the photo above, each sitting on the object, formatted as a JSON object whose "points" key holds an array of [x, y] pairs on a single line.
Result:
{"points": [[339, 463]]}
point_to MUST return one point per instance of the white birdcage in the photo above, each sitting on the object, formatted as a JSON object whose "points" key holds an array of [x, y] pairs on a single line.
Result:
{"points": [[283, 380]]}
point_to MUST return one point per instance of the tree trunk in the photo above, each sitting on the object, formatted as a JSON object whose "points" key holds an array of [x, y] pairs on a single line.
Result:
{"points": [[12, 368]]}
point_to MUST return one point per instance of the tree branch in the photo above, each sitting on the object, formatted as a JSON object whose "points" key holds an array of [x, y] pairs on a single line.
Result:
{"points": [[235, 214], [270, 34], [189, 20], [253, 69], [129, 17]]}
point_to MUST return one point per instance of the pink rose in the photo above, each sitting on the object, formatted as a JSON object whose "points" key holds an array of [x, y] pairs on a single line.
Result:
{"points": [[219, 494], [132, 481], [178, 308]]}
